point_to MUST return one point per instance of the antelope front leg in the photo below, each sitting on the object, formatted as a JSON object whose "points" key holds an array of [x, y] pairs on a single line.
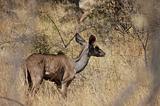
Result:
{"points": [[64, 90]]}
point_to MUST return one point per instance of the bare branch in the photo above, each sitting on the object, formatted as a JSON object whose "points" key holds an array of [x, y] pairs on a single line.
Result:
{"points": [[65, 45], [57, 30]]}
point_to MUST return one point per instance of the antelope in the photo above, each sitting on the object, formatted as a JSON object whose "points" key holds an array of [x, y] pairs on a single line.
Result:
{"points": [[59, 68]]}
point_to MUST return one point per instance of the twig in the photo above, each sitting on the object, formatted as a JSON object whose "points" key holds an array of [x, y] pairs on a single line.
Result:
{"points": [[82, 76], [144, 46], [57, 30], [7, 42], [65, 45], [12, 100], [70, 41]]}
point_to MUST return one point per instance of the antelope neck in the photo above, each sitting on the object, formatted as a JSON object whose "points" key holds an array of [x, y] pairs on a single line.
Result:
{"points": [[82, 60]]}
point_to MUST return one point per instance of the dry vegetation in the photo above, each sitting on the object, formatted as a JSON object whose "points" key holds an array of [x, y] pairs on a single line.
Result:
{"points": [[121, 78]]}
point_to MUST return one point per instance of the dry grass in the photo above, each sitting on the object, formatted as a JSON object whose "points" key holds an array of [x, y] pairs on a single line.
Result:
{"points": [[119, 79]]}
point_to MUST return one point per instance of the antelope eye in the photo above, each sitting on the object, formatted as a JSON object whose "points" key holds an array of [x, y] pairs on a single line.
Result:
{"points": [[96, 47]]}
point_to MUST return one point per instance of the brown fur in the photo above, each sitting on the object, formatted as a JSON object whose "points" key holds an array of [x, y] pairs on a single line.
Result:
{"points": [[58, 68]]}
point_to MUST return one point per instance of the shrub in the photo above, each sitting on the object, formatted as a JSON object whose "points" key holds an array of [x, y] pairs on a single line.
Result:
{"points": [[40, 44]]}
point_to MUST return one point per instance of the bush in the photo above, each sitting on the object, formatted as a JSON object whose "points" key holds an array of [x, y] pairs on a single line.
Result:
{"points": [[40, 44]]}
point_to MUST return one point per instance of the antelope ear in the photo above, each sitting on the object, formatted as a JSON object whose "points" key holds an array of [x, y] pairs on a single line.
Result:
{"points": [[92, 39], [79, 39]]}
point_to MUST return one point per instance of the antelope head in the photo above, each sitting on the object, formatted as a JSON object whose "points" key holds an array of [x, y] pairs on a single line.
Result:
{"points": [[89, 49]]}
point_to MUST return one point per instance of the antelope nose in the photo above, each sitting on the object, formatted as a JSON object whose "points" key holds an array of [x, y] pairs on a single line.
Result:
{"points": [[103, 54]]}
